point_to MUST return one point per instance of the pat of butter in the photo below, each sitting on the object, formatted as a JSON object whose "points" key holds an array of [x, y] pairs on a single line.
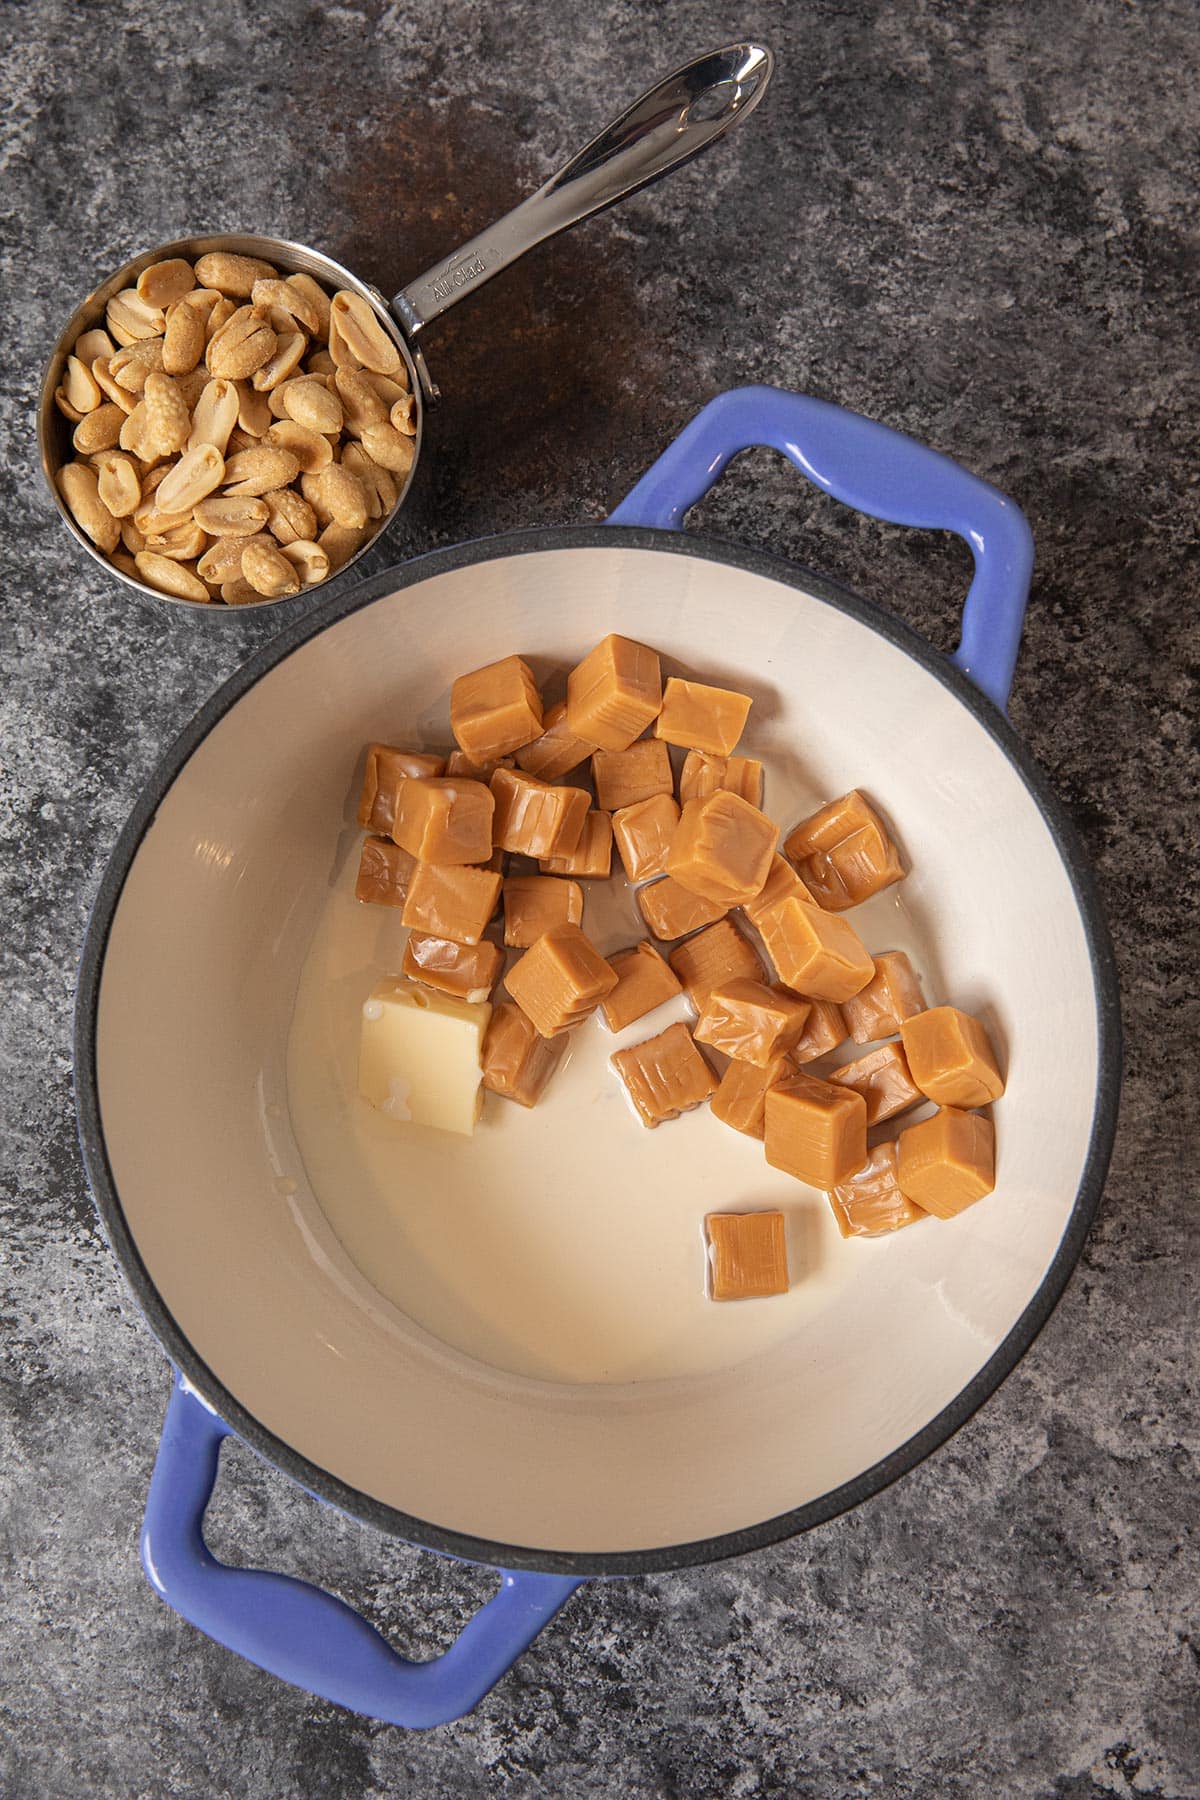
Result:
{"points": [[420, 1056]]}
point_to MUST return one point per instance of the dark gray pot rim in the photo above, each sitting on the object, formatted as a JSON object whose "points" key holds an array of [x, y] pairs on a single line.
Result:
{"points": [[425, 1532]]}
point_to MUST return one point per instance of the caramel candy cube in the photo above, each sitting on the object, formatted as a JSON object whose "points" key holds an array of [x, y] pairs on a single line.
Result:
{"points": [[747, 1255], [664, 1076], [814, 952], [703, 774], [831, 824], [451, 901], [386, 769], [869, 1203], [496, 710], [442, 821], [467, 971], [892, 995], [671, 912], [535, 819], [741, 1096], [643, 833], [815, 1131], [782, 883], [883, 1080], [722, 849], [824, 1031], [748, 1020], [697, 717], [591, 858], [614, 693], [644, 981], [384, 872], [461, 765], [946, 1163], [844, 852], [712, 957], [517, 1060], [533, 903], [623, 777], [557, 751], [951, 1057], [560, 980]]}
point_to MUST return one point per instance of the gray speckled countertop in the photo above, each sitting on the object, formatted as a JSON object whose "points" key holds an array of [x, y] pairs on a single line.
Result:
{"points": [[975, 221]]}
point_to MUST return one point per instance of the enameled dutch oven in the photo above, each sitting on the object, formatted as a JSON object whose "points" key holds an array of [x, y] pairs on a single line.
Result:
{"points": [[188, 979]]}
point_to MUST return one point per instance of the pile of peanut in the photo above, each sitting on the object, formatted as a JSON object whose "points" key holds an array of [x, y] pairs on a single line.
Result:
{"points": [[238, 434]]}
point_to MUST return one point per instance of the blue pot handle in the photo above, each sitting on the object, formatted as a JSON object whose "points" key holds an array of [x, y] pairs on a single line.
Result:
{"points": [[877, 471], [296, 1631]]}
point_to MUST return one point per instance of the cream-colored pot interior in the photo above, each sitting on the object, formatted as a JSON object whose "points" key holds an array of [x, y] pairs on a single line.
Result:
{"points": [[199, 983]]}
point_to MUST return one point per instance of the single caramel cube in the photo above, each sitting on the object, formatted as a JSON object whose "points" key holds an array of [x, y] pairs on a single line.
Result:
{"points": [[560, 980], [644, 981], [946, 1163], [751, 1021], [782, 883], [824, 1030], [443, 821], [722, 849], [741, 1096], [951, 1057], [591, 858], [844, 869], [459, 764], [535, 819], [614, 693], [814, 952], [830, 824], [815, 1131], [496, 710], [664, 1076], [697, 717], [386, 769], [711, 957], [883, 1080], [517, 1060], [623, 777], [384, 872], [557, 751], [703, 774], [451, 901], [533, 903], [671, 912], [467, 971], [892, 995], [643, 833], [747, 1255], [869, 1203]]}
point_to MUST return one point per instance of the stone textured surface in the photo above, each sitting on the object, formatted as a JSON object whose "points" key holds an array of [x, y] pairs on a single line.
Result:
{"points": [[975, 221]]}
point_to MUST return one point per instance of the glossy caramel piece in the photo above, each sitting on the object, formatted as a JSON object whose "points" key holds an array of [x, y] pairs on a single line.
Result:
{"points": [[722, 848], [951, 1057], [824, 1030], [560, 980], [451, 901], [535, 819], [664, 1076], [703, 774], [671, 912], [713, 956], [557, 751], [384, 872], [459, 764], [443, 821], [644, 981], [782, 883], [870, 1203], [496, 710], [517, 1060], [748, 1020], [741, 1097], [533, 903], [815, 953], [614, 693], [747, 1255], [591, 859], [883, 1080], [467, 971], [623, 777], [697, 717], [831, 824], [946, 1163], [892, 995], [386, 769], [815, 1131], [844, 852], [643, 834]]}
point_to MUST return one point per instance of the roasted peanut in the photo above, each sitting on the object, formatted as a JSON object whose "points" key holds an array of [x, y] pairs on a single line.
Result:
{"points": [[222, 561], [183, 543], [221, 310], [404, 415], [311, 451], [268, 570], [170, 577], [196, 474], [309, 559], [389, 447], [289, 348], [361, 405], [215, 416], [129, 317], [91, 344], [310, 403], [80, 386], [112, 388], [231, 274], [290, 299], [337, 494], [242, 344], [238, 592], [159, 424], [222, 516], [131, 365], [363, 333], [183, 340], [389, 387], [340, 543], [98, 430], [259, 470], [254, 410], [381, 491], [165, 282], [79, 488], [317, 298], [119, 483], [289, 516]]}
